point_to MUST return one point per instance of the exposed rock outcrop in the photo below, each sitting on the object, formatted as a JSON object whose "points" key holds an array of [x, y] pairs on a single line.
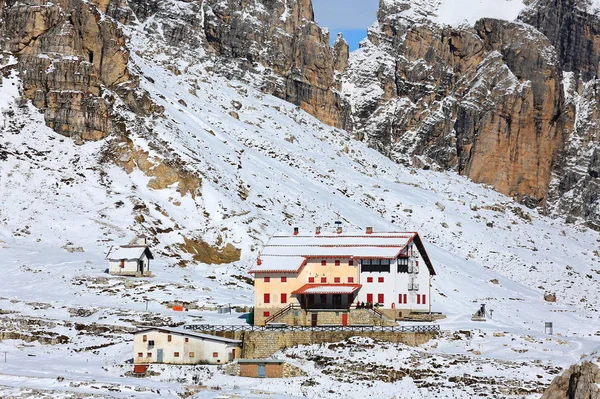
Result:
{"points": [[580, 381], [485, 101], [68, 51]]}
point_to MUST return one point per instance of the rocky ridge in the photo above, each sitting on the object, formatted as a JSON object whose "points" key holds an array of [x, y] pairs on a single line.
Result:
{"points": [[488, 101]]}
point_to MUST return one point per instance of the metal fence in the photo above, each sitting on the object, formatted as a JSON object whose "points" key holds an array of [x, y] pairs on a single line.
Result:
{"points": [[422, 328]]}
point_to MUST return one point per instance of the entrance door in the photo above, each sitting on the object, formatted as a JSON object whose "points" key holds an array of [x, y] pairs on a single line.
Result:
{"points": [[344, 319], [262, 372], [159, 355], [337, 301], [140, 266], [232, 354], [313, 320]]}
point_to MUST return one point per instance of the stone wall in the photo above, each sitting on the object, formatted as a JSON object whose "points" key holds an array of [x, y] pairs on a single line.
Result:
{"points": [[262, 344], [356, 317]]}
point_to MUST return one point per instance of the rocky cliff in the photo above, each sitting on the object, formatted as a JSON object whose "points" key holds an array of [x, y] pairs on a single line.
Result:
{"points": [[580, 381], [504, 103], [273, 45], [68, 55]]}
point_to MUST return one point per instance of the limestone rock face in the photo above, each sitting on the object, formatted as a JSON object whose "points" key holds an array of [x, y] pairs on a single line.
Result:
{"points": [[485, 101], [283, 37], [580, 381], [66, 53], [574, 30]]}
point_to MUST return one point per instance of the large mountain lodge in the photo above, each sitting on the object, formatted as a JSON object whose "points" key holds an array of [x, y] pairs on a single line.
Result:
{"points": [[342, 278]]}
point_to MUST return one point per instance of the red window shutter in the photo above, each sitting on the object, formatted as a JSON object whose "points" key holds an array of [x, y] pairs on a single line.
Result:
{"points": [[418, 299], [400, 298], [187, 339], [267, 279], [336, 279], [176, 354], [266, 314], [380, 279], [284, 279], [405, 298], [380, 298], [337, 262], [267, 298], [370, 298], [169, 338], [369, 279], [323, 262], [350, 279], [323, 279], [351, 262], [311, 279], [283, 298], [424, 299]]}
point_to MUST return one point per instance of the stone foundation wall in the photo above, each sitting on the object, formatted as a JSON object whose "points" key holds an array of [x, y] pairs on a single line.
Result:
{"points": [[262, 344], [356, 317]]}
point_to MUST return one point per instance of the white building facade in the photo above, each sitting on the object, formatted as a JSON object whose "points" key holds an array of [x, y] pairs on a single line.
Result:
{"points": [[176, 346], [129, 260]]}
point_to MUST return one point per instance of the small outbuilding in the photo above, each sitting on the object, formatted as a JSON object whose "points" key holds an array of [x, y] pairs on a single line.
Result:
{"points": [[130, 260], [261, 368], [178, 346]]}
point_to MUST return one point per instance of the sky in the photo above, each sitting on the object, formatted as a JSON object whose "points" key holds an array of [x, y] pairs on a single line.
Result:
{"points": [[351, 17]]}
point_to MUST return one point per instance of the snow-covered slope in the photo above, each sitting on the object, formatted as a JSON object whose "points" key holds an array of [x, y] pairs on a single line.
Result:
{"points": [[265, 166], [457, 12]]}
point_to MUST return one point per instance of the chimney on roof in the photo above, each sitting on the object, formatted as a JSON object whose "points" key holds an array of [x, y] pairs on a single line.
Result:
{"points": [[318, 230], [296, 231], [259, 261], [369, 230], [339, 230]]}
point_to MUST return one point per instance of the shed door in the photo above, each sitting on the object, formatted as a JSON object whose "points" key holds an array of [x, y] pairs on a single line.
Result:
{"points": [[344, 319], [262, 372], [159, 355]]}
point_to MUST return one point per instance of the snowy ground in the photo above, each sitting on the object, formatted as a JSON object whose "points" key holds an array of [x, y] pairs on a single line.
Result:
{"points": [[270, 168]]}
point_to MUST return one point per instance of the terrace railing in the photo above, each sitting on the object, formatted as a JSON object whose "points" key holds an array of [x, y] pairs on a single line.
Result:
{"points": [[422, 328]]}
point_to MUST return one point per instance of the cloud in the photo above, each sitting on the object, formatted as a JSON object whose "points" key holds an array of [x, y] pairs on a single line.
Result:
{"points": [[340, 15]]}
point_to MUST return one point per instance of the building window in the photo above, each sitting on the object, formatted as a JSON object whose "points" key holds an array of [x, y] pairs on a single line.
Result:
{"points": [[144, 338], [122, 263], [375, 265], [370, 298], [267, 298], [336, 279], [323, 262], [140, 354], [380, 279], [351, 262], [169, 338], [283, 298], [311, 279], [369, 279], [380, 299], [424, 299], [401, 298], [402, 265], [284, 279], [266, 314], [192, 354], [323, 298], [337, 262], [149, 354], [405, 298], [418, 299], [175, 354], [350, 279], [215, 354], [267, 279], [151, 343], [187, 339], [323, 279]]}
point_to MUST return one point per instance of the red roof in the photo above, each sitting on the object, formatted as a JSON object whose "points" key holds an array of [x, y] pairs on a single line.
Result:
{"points": [[327, 289]]}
